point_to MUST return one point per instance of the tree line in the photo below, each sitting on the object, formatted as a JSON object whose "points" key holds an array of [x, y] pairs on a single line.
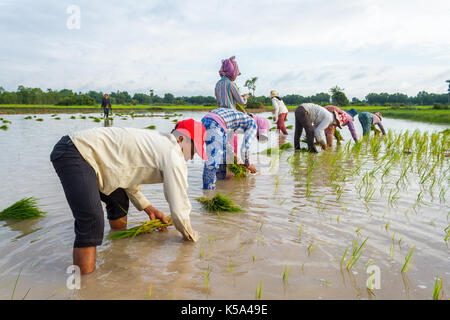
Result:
{"points": [[63, 97]]}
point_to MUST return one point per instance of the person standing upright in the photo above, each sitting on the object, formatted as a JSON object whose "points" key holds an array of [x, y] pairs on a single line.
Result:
{"points": [[106, 105], [280, 111]]}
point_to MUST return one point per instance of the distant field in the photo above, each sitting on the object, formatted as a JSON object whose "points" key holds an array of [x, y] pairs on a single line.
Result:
{"points": [[417, 113]]}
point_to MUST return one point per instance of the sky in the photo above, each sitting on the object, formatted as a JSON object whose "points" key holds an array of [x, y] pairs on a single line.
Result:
{"points": [[295, 47]]}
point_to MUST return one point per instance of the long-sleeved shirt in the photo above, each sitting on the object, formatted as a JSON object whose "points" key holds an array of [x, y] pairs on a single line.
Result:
{"points": [[106, 103], [376, 120], [349, 123], [321, 119], [278, 108], [227, 94], [239, 121], [128, 157]]}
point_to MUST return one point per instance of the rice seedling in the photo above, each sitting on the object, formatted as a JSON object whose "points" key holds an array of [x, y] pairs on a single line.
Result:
{"points": [[279, 148], [151, 127], [39, 119], [300, 230], [207, 273], [145, 227], [73, 117], [356, 254], [238, 170], [6, 121], [149, 293], [258, 291], [82, 117], [286, 273], [447, 230], [343, 257], [97, 120], [231, 266], [28, 118], [219, 203], [408, 262], [25, 208], [15, 284], [57, 118], [437, 289], [289, 127], [4, 127]]}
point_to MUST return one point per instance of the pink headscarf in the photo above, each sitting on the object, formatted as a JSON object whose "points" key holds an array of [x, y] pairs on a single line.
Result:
{"points": [[263, 126], [229, 69]]}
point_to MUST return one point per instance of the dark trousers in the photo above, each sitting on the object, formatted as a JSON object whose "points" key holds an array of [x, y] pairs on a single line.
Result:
{"points": [[80, 185], [302, 120]]}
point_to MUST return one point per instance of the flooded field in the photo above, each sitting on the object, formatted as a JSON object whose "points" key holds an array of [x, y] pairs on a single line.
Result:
{"points": [[312, 226]]}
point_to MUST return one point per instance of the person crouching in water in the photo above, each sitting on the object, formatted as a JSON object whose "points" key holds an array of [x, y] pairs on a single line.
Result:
{"points": [[106, 105], [315, 119], [218, 124], [110, 164], [280, 112], [346, 119], [368, 119]]}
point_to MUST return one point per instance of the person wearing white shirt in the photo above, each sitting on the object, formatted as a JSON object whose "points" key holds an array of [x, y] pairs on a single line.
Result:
{"points": [[280, 111], [109, 165]]}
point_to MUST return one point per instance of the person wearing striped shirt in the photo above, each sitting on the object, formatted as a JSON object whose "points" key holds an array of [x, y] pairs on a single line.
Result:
{"points": [[226, 91], [220, 124]]}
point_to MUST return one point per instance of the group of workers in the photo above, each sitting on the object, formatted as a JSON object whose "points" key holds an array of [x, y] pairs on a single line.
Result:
{"points": [[109, 164]]}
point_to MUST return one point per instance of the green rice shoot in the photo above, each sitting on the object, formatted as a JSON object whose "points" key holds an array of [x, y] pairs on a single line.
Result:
{"points": [[23, 209], [146, 227], [219, 203]]}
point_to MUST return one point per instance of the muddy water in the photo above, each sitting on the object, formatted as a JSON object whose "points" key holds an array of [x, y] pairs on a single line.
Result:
{"points": [[283, 226]]}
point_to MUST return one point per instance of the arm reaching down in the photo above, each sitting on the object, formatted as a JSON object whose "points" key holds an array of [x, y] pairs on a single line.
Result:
{"points": [[175, 191]]}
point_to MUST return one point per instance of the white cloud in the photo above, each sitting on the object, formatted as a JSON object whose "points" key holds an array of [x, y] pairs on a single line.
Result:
{"points": [[299, 47]]}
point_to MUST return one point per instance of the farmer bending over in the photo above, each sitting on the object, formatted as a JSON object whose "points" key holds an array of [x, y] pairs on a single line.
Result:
{"points": [[218, 124], [346, 119], [315, 119], [110, 164], [368, 119]]}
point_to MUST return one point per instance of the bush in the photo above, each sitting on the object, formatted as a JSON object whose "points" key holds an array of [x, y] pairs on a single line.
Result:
{"points": [[438, 106]]}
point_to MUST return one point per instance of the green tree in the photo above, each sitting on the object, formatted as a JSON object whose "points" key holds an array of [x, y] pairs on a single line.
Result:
{"points": [[251, 85], [338, 96]]}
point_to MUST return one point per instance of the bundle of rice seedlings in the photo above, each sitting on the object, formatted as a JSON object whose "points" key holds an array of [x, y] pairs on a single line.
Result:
{"points": [[57, 118], [73, 117], [279, 148], [289, 127], [97, 120], [22, 209], [39, 119], [145, 227], [28, 118], [6, 121], [238, 170], [152, 127], [4, 127], [219, 203]]}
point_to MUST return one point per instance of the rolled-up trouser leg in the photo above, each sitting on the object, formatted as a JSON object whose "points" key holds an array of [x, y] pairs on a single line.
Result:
{"points": [[80, 186], [117, 204]]}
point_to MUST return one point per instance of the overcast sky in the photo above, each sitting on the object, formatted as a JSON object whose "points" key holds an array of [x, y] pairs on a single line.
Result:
{"points": [[302, 46]]}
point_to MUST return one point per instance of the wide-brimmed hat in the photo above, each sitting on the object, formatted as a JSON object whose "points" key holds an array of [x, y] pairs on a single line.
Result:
{"points": [[195, 131], [378, 114], [273, 93]]}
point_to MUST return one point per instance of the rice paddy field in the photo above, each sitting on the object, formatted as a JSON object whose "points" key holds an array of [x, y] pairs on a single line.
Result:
{"points": [[362, 221]]}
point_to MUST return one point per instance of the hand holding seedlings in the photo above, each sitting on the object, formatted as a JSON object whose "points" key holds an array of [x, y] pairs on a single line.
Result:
{"points": [[154, 213]]}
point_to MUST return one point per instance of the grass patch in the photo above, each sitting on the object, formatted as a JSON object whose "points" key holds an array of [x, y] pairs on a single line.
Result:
{"points": [[23, 209]]}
